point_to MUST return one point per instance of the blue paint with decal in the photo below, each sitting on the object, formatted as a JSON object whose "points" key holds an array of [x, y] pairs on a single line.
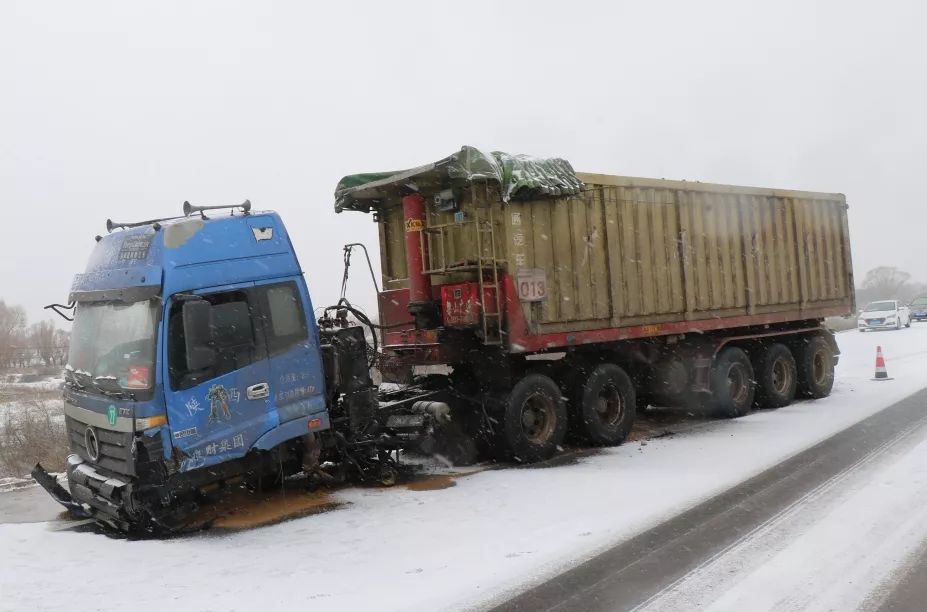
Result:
{"points": [[166, 446], [292, 429]]}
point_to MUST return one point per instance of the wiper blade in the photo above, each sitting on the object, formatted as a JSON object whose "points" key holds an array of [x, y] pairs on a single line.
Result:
{"points": [[101, 384], [76, 378]]}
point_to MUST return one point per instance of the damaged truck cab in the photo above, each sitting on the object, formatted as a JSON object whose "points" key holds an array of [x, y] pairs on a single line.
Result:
{"points": [[195, 359]]}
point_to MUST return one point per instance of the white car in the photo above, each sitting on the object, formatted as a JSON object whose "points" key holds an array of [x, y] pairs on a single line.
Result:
{"points": [[884, 314]]}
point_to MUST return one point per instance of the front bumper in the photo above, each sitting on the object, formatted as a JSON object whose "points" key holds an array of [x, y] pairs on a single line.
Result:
{"points": [[92, 494], [49, 482], [877, 324]]}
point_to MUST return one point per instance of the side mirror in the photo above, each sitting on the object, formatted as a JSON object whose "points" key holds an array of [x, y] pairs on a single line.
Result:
{"points": [[198, 336]]}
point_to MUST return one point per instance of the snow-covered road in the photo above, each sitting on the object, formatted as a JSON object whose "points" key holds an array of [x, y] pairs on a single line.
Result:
{"points": [[839, 547], [497, 532]]}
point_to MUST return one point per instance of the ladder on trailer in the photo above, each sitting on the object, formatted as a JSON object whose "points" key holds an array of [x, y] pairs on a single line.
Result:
{"points": [[486, 227], [486, 267]]}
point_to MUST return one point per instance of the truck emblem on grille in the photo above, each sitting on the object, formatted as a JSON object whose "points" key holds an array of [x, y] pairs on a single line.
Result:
{"points": [[92, 444], [111, 415]]}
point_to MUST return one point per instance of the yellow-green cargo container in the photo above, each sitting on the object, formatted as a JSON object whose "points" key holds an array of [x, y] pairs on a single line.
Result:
{"points": [[622, 257]]}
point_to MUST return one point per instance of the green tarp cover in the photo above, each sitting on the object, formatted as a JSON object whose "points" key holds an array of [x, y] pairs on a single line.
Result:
{"points": [[520, 177]]}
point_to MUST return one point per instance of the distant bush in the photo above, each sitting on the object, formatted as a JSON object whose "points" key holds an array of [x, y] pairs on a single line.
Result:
{"points": [[32, 431]]}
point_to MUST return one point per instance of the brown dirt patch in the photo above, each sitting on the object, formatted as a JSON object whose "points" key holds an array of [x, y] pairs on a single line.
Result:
{"points": [[434, 482], [244, 509]]}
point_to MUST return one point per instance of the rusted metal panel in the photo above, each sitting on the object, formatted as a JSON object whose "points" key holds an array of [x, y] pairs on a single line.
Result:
{"points": [[692, 253], [392, 249], [601, 284], [561, 250]]}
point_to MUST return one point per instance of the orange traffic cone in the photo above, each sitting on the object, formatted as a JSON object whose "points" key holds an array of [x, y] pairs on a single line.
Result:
{"points": [[880, 372]]}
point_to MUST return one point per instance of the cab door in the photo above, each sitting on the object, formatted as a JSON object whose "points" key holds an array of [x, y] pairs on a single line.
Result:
{"points": [[217, 413], [296, 370]]}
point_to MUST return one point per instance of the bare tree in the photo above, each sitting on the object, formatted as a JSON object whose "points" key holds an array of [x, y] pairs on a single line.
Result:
{"points": [[12, 332], [62, 342], [885, 279], [885, 283], [42, 341]]}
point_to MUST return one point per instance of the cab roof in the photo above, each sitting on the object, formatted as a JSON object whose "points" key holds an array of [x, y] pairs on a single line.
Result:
{"points": [[186, 253]]}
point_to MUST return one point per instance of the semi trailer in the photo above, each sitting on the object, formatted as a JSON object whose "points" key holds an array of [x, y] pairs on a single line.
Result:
{"points": [[564, 302], [521, 302]]}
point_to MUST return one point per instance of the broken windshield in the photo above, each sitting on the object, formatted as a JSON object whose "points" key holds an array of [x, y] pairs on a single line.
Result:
{"points": [[113, 346]]}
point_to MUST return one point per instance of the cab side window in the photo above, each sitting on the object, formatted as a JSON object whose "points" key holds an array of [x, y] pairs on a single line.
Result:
{"points": [[236, 339], [283, 315]]}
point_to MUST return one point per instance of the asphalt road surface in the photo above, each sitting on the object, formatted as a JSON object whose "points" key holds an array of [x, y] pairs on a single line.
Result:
{"points": [[29, 505], [910, 592], [650, 570]]}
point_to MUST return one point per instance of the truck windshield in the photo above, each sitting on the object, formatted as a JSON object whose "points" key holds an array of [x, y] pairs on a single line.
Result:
{"points": [[877, 306], [113, 346]]}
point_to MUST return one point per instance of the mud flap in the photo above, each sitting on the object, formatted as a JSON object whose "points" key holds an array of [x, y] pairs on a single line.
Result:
{"points": [[50, 484]]}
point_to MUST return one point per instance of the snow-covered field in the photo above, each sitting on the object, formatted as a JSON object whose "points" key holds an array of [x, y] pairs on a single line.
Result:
{"points": [[14, 408], [32, 381], [16, 395], [494, 533]]}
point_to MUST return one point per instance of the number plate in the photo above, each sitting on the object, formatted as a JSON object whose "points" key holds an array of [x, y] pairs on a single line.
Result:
{"points": [[531, 284]]}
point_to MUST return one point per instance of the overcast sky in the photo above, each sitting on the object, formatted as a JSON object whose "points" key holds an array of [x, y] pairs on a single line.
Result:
{"points": [[126, 109]]}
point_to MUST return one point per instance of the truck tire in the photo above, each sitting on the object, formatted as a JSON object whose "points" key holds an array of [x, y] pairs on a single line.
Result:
{"points": [[776, 377], [732, 384], [535, 419], [605, 406], [815, 367]]}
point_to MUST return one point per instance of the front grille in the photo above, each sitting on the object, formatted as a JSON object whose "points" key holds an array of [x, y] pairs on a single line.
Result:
{"points": [[115, 447]]}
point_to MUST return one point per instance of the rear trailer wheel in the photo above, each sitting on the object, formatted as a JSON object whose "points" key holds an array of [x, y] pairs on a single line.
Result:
{"points": [[535, 419], [732, 385], [605, 406], [776, 377], [815, 367]]}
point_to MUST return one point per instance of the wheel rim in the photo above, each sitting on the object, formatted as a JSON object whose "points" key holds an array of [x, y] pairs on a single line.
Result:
{"points": [[819, 367], [781, 376], [737, 383], [609, 406], [538, 418]]}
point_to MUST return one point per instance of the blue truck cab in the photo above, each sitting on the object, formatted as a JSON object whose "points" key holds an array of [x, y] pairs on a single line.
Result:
{"points": [[195, 358]]}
